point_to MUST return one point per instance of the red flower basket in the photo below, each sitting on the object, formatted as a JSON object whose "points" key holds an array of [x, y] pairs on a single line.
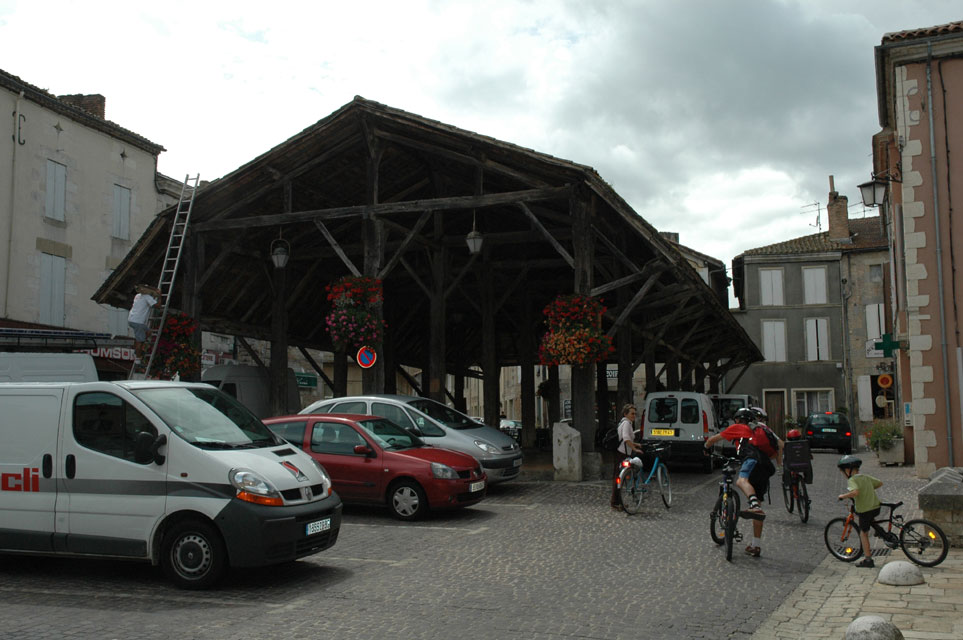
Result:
{"points": [[176, 352], [354, 320], [574, 334]]}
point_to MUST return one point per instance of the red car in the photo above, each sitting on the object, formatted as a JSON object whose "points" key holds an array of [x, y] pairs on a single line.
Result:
{"points": [[372, 460]]}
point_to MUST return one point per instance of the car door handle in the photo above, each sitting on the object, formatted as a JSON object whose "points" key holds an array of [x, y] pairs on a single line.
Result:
{"points": [[70, 468], [48, 463]]}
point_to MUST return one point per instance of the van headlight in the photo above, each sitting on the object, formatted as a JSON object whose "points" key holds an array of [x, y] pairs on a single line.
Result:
{"points": [[440, 470], [487, 448], [325, 478], [252, 488]]}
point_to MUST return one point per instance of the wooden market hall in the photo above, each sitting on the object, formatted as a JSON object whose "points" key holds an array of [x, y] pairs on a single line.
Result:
{"points": [[377, 191]]}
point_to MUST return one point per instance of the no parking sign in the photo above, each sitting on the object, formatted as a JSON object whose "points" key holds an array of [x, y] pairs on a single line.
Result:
{"points": [[366, 357]]}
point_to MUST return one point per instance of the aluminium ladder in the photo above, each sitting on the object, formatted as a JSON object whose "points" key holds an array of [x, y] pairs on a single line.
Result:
{"points": [[172, 260]]}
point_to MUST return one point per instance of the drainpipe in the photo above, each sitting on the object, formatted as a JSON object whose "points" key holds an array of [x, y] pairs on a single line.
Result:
{"points": [[13, 202], [939, 251]]}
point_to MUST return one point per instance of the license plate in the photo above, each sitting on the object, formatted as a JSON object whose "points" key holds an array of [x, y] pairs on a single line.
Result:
{"points": [[517, 462], [476, 486], [663, 432], [317, 527], [829, 431]]}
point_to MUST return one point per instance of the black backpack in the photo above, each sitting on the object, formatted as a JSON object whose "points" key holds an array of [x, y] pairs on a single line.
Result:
{"points": [[610, 441]]}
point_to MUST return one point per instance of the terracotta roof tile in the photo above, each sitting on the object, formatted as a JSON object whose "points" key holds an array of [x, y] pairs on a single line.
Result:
{"points": [[866, 233], [924, 32]]}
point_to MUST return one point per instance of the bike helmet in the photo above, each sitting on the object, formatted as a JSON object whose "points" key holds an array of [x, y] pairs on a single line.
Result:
{"points": [[759, 411], [793, 434], [849, 462], [744, 416]]}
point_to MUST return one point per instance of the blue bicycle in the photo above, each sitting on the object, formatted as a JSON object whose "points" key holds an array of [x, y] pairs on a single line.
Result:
{"points": [[634, 483]]}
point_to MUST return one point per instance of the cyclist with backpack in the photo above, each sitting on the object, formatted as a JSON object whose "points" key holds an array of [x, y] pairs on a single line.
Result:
{"points": [[627, 446], [756, 445]]}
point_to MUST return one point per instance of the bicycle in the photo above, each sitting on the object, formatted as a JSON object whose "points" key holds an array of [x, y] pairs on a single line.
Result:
{"points": [[633, 488], [922, 541], [795, 493], [725, 513]]}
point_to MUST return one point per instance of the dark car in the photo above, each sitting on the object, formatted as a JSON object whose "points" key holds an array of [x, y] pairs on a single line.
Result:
{"points": [[829, 430]]}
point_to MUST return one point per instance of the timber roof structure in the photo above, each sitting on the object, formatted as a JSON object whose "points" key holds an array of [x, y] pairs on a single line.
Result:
{"points": [[369, 175]]}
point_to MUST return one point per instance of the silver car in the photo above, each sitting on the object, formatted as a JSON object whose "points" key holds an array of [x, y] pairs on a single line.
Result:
{"points": [[499, 454]]}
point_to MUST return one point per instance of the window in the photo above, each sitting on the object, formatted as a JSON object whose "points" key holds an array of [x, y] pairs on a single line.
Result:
{"points": [[774, 340], [105, 423], [51, 297], [817, 339], [814, 285], [349, 407], [770, 287], [335, 438], [811, 401], [393, 413], [293, 432], [875, 273], [121, 213], [56, 190], [875, 323], [690, 411], [663, 410]]}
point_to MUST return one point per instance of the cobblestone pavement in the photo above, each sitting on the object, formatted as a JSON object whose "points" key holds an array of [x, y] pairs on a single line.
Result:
{"points": [[534, 560], [836, 593]]}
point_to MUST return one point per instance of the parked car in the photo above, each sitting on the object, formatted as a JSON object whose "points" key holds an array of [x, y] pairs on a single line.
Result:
{"points": [[830, 430], [511, 427], [500, 455], [683, 418], [371, 460]]}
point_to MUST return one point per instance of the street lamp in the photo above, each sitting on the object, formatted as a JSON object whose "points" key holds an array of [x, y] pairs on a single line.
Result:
{"points": [[474, 238], [874, 191], [280, 252]]}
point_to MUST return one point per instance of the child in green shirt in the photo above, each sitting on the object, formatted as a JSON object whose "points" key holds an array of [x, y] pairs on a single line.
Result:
{"points": [[862, 488]]}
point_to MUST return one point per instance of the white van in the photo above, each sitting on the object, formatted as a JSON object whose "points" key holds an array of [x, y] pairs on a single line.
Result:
{"points": [[725, 406], [251, 385], [177, 474], [683, 418], [47, 367]]}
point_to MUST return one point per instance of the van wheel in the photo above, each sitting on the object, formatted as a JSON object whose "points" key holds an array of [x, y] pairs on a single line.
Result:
{"points": [[407, 501], [193, 555]]}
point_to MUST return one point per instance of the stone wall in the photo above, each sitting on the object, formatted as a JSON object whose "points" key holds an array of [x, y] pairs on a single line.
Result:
{"points": [[941, 501]]}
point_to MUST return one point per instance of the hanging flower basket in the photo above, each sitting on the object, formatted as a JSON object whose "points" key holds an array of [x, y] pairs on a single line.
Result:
{"points": [[176, 352], [355, 320], [575, 333]]}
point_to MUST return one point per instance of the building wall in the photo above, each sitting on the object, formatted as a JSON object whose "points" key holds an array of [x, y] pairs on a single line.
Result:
{"points": [[934, 383], [95, 162]]}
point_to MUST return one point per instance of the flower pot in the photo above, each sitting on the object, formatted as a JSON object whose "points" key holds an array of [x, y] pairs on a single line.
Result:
{"points": [[893, 455]]}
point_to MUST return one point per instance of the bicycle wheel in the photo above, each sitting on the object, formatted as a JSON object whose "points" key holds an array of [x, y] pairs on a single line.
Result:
{"points": [[716, 530], [787, 495], [731, 512], [923, 542], [663, 475], [631, 490], [801, 494], [842, 539]]}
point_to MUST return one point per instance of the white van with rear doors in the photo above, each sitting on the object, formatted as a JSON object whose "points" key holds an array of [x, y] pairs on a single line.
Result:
{"points": [[177, 474], [683, 418]]}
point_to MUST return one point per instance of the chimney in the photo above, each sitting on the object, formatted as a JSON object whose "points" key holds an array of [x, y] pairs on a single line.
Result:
{"points": [[94, 104], [838, 209]]}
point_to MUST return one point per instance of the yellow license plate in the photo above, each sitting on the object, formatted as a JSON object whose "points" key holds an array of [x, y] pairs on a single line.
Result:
{"points": [[663, 432]]}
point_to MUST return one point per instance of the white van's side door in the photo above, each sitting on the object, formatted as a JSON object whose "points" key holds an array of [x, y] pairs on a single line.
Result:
{"points": [[112, 502], [28, 446]]}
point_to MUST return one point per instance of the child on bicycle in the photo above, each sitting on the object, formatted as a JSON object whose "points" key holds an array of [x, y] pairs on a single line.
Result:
{"points": [[862, 489]]}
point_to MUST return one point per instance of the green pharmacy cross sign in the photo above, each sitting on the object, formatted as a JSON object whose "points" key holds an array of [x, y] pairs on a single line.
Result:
{"points": [[888, 345]]}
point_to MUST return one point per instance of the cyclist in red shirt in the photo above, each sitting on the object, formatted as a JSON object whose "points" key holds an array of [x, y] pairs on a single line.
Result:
{"points": [[753, 445]]}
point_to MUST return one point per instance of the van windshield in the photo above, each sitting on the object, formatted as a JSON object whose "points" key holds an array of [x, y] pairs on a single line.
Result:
{"points": [[208, 418], [445, 415]]}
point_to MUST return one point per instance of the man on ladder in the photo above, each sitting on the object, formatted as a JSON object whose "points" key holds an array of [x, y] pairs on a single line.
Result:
{"points": [[147, 296]]}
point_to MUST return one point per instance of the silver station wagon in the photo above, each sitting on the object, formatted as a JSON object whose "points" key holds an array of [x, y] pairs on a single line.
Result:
{"points": [[498, 453]]}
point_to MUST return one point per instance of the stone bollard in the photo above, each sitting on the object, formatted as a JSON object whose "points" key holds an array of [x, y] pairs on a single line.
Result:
{"points": [[900, 573], [566, 452], [872, 628]]}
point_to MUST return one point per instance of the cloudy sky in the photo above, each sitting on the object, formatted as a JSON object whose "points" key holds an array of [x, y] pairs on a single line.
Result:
{"points": [[721, 120]]}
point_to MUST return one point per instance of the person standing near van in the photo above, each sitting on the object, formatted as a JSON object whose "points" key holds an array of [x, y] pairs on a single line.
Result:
{"points": [[627, 447], [147, 296]]}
